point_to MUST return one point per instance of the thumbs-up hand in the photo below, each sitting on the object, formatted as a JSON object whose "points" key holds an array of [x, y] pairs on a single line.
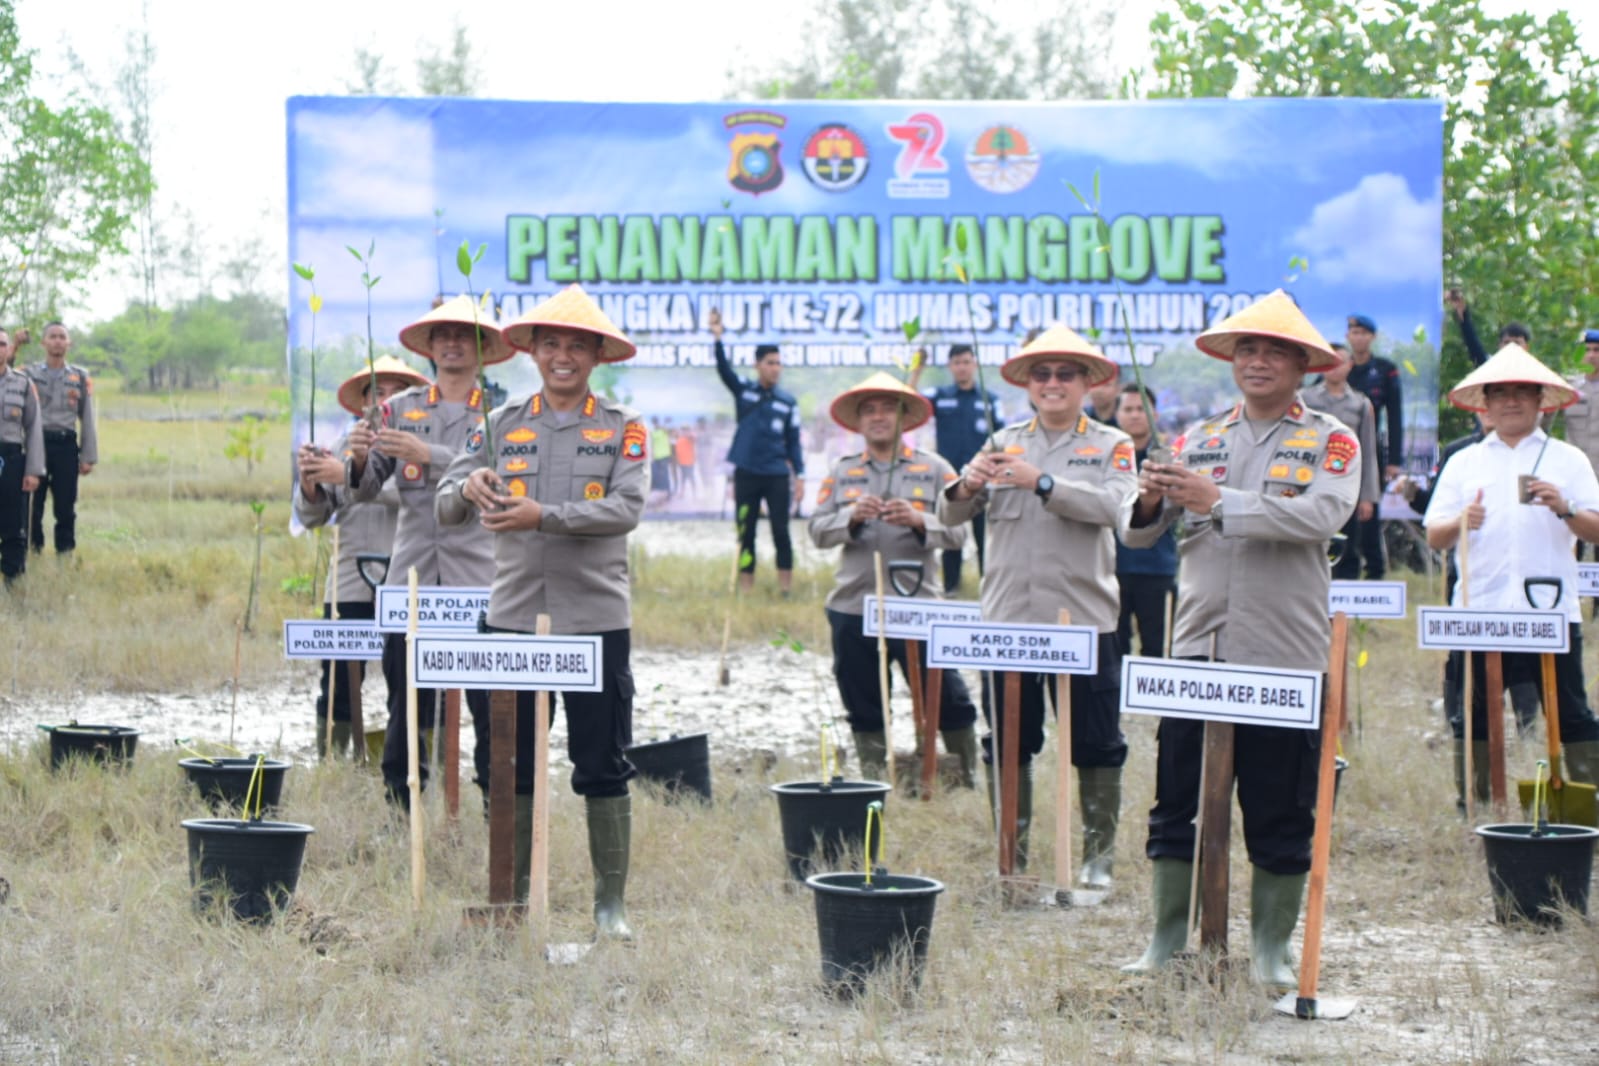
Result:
{"points": [[1475, 512]]}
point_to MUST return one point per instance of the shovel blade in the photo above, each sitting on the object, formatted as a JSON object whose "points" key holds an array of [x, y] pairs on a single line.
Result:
{"points": [[1319, 1008], [1573, 803]]}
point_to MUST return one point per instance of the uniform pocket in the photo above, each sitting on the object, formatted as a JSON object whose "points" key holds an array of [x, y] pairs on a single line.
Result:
{"points": [[1006, 505]]}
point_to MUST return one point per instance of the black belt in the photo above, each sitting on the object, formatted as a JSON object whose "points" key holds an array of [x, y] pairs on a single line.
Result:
{"points": [[10, 448], [60, 434]]}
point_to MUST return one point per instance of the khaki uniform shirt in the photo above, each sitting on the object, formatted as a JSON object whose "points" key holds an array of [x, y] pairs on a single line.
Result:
{"points": [[65, 401], [461, 556], [590, 476], [364, 528], [1045, 555], [19, 420], [914, 475], [1354, 410], [1260, 581], [1582, 417]]}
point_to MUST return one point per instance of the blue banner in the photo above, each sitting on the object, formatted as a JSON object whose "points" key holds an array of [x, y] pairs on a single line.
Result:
{"points": [[827, 226]]}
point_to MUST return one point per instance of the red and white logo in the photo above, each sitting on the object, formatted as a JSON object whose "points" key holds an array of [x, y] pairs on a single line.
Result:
{"points": [[921, 137]]}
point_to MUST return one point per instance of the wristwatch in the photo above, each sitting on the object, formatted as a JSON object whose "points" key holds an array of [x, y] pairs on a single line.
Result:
{"points": [[1045, 486], [1571, 512], [1215, 515]]}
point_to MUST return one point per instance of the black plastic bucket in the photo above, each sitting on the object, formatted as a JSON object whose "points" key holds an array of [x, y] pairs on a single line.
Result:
{"points": [[223, 783], [1532, 875], [255, 866], [111, 745], [863, 928], [680, 765], [830, 818]]}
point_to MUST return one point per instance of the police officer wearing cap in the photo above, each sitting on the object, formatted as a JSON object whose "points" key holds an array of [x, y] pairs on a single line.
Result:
{"points": [[1052, 487], [961, 411], [21, 462], [66, 406], [1262, 489], [1582, 417], [1333, 396], [884, 500], [418, 434], [558, 481], [1378, 380], [322, 498]]}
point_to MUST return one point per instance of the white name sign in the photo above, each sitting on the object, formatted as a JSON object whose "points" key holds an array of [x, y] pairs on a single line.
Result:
{"points": [[1367, 599], [1221, 692], [438, 607], [1588, 579], [912, 619], [1470, 629], [321, 639], [507, 661], [1024, 649]]}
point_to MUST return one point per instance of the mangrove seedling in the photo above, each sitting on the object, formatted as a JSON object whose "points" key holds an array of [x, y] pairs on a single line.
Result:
{"points": [[315, 303], [369, 282]]}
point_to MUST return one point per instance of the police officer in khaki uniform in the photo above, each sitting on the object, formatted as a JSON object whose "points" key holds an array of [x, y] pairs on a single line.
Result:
{"points": [[1262, 489], [558, 482], [322, 498], [1052, 487], [1333, 396], [873, 502], [21, 462], [1582, 417], [421, 432], [65, 400]]}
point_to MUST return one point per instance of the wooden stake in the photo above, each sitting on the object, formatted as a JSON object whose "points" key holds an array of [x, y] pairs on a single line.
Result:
{"points": [[1494, 671], [926, 721], [447, 740], [1321, 841], [333, 613], [538, 900], [1010, 771], [502, 791], [882, 665], [933, 707], [413, 772], [352, 678], [1469, 781], [1063, 778], [1217, 802]]}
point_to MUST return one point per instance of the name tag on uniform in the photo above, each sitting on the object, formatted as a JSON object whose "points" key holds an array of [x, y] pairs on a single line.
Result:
{"points": [[1367, 599], [1471, 629], [508, 661], [1022, 649], [438, 607], [1221, 692], [318, 638], [910, 618]]}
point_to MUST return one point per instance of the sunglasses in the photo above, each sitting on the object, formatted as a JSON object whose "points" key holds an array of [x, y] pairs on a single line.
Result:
{"points": [[1042, 374]]}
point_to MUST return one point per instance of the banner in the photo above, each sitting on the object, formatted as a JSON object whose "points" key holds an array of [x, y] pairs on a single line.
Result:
{"points": [[830, 228]]}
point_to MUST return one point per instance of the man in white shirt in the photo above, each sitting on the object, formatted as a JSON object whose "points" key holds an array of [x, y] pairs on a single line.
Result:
{"points": [[1510, 542]]}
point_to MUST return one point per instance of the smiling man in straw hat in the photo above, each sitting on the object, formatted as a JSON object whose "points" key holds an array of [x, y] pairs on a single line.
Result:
{"points": [[1511, 541], [420, 431], [1263, 488], [321, 497], [1051, 488], [559, 491], [884, 500]]}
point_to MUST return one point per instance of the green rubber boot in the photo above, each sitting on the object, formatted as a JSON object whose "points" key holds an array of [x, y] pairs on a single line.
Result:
{"points": [[871, 751], [1479, 772], [341, 740], [1582, 761], [1273, 912], [962, 743], [610, 821], [1099, 790], [1173, 880], [521, 845]]}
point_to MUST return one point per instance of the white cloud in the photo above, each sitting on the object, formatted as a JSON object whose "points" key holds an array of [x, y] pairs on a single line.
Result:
{"points": [[1376, 233], [376, 164]]}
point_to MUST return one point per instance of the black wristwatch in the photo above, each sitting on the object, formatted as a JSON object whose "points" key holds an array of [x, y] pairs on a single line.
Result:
{"points": [[1045, 486]]}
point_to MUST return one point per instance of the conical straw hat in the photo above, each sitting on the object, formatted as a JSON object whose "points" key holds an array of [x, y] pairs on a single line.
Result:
{"points": [[571, 308], [846, 410], [460, 311], [1059, 343], [1275, 316], [1512, 365], [352, 394]]}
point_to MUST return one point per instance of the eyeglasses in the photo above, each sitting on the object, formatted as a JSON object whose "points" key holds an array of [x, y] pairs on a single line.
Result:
{"points": [[1042, 374]]}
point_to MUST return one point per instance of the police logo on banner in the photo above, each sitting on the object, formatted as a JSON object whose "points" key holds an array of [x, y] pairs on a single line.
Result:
{"points": [[756, 165], [834, 158]]}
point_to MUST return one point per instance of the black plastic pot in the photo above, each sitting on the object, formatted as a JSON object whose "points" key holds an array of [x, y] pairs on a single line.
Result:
{"points": [[825, 820], [224, 783], [680, 765], [253, 866], [1532, 875], [111, 745], [863, 928]]}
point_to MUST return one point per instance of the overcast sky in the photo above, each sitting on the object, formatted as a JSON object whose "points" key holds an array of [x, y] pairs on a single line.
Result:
{"points": [[223, 72]]}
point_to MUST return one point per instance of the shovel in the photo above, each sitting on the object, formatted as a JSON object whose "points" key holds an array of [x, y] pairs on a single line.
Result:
{"points": [[1569, 802]]}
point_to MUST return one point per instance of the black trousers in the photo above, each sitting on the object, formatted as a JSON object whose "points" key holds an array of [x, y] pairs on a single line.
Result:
{"points": [[749, 491], [1362, 540], [395, 758], [1577, 721], [13, 512], [1144, 599], [855, 668], [61, 481], [1097, 738], [1275, 769], [952, 558], [354, 611], [599, 726]]}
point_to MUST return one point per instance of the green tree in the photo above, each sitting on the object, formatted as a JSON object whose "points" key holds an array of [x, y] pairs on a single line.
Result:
{"points": [[448, 73], [941, 50], [69, 185], [1521, 121]]}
